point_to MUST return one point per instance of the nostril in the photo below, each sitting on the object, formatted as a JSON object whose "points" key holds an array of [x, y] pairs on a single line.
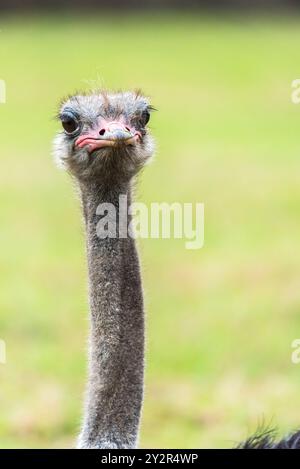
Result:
{"points": [[102, 132], [127, 128]]}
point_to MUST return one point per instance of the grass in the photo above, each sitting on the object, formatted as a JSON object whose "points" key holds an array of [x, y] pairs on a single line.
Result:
{"points": [[220, 320]]}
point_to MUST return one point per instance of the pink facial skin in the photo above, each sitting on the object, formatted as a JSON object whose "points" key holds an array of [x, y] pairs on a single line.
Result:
{"points": [[109, 134]]}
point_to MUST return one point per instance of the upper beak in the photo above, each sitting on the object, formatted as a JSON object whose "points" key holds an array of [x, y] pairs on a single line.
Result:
{"points": [[117, 133], [111, 135]]}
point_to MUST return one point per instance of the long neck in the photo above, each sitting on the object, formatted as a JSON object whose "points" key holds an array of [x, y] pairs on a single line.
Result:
{"points": [[116, 367]]}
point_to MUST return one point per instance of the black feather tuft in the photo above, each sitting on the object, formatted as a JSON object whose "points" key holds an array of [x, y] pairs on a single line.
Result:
{"points": [[266, 439]]}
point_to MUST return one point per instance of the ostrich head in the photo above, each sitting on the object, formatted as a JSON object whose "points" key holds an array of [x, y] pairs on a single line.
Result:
{"points": [[104, 136]]}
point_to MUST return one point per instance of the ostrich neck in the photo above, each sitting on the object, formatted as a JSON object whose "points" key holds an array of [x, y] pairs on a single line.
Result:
{"points": [[116, 356]]}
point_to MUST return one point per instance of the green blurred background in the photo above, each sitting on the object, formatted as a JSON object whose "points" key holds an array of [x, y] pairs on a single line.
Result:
{"points": [[220, 320]]}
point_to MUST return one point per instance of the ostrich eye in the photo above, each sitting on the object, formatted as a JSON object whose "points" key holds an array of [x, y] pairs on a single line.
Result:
{"points": [[145, 117], [70, 124]]}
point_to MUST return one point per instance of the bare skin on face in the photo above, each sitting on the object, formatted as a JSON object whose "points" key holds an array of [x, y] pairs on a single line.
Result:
{"points": [[109, 134]]}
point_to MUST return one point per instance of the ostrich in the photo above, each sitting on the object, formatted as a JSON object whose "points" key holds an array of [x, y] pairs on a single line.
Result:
{"points": [[104, 144]]}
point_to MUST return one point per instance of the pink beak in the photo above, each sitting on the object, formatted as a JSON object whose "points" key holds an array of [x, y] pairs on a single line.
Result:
{"points": [[108, 134]]}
